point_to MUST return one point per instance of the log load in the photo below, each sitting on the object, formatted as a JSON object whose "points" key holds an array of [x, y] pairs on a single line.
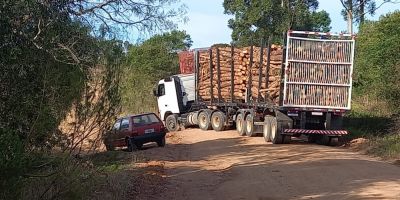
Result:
{"points": [[243, 69]]}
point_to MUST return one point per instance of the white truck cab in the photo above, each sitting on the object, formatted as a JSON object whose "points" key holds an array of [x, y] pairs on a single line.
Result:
{"points": [[175, 94]]}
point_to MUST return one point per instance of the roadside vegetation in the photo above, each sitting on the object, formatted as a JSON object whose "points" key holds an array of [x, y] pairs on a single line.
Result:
{"points": [[61, 64], [376, 104]]}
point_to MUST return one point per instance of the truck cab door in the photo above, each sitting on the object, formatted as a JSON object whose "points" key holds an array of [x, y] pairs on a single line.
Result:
{"points": [[167, 98]]}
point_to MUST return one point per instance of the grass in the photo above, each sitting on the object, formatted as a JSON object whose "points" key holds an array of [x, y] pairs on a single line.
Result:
{"points": [[374, 121], [66, 177], [387, 146]]}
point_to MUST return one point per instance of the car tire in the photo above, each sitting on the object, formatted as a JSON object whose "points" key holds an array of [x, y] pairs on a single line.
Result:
{"points": [[139, 145], [110, 148], [161, 142], [204, 121], [131, 145], [218, 121], [171, 122]]}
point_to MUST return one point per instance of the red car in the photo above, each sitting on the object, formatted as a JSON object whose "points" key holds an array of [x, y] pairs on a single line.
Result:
{"points": [[134, 131]]}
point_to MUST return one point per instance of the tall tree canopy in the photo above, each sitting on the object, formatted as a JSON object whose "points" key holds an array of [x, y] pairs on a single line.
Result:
{"points": [[377, 62], [148, 62], [260, 18], [354, 11]]}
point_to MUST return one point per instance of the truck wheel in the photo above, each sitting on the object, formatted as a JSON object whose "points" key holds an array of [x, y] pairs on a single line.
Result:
{"points": [[267, 129], [250, 126], [323, 140], [240, 124], [334, 141], [172, 123], [312, 138], [287, 139], [276, 136], [218, 121], [204, 121]]}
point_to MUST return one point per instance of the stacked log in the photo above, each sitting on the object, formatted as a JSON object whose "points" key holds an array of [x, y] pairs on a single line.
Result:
{"points": [[246, 73]]}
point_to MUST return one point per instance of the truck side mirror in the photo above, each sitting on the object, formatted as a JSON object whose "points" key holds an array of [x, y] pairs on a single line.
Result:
{"points": [[155, 92]]}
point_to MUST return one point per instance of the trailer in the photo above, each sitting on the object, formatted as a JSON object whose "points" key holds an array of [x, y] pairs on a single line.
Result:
{"points": [[315, 91]]}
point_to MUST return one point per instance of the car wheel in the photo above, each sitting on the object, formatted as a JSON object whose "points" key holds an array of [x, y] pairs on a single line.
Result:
{"points": [[139, 145], [131, 145], [161, 142], [172, 123], [110, 148]]}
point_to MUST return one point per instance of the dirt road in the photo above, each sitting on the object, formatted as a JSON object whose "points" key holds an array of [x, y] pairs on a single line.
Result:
{"points": [[221, 165]]}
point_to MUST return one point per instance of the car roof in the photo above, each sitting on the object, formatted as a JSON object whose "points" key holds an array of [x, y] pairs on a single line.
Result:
{"points": [[136, 115]]}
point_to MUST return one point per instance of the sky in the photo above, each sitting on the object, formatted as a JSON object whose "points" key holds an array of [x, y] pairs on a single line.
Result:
{"points": [[207, 23]]}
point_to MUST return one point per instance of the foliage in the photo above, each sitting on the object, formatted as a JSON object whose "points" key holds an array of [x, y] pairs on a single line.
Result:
{"points": [[377, 61], [358, 9], [260, 18], [148, 62], [53, 62]]}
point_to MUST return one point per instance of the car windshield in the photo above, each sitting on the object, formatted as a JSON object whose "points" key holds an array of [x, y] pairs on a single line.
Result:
{"points": [[143, 120]]}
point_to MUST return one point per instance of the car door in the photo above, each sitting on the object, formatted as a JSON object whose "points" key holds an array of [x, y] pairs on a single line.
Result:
{"points": [[112, 136], [123, 133]]}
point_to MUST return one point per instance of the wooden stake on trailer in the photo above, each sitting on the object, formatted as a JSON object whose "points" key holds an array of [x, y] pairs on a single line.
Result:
{"points": [[268, 65], [197, 74], [211, 77], [250, 82], [219, 76], [260, 70], [232, 72]]}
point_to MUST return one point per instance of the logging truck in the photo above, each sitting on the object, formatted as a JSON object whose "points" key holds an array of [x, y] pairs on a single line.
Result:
{"points": [[278, 91]]}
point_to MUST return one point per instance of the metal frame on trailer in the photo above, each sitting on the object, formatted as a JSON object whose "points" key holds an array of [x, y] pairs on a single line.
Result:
{"points": [[304, 62]]}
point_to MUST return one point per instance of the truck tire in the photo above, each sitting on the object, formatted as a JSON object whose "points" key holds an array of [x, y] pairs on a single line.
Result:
{"points": [[323, 140], [204, 121], [276, 136], [240, 124], [327, 140], [287, 139], [218, 121], [267, 128], [172, 123], [250, 126]]}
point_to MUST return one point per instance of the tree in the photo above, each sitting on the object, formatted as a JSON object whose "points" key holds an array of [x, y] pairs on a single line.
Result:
{"points": [[53, 60], [260, 18], [148, 62], [377, 62], [354, 11]]}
